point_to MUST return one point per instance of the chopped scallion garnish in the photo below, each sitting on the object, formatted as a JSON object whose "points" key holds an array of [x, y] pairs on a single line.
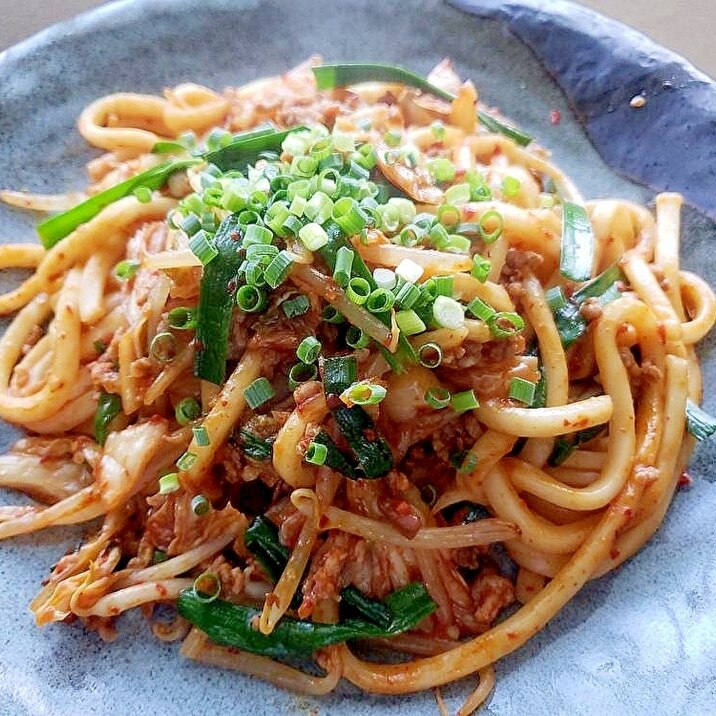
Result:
{"points": [[698, 422], [200, 506], [316, 454], [296, 306], [464, 401], [313, 236], [522, 390], [438, 397], [356, 338], [358, 290], [384, 278], [187, 411], [126, 269], [480, 268], [277, 271], [480, 309], [301, 373], [505, 324], [201, 436], [186, 461], [168, 483], [577, 254], [380, 300], [344, 264], [182, 318], [409, 322], [258, 393], [251, 299], [163, 347], [202, 247], [363, 393], [492, 219], [430, 355], [448, 313], [308, 349], [207, 587]]}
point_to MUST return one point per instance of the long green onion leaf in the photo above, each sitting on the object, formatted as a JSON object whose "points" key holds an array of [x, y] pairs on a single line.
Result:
{"points": [[698, 422], [57, 227], [216, 304], [577, 254], [231, 624], [109, 407]]}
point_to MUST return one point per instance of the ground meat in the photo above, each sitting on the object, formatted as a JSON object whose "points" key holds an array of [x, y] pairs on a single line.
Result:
{"points": [[491, 593], [518, 265], [483, 366], [591, 310]]}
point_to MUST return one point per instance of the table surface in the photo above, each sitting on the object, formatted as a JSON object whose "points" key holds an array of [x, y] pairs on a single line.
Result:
{"points": [[688, 31]]}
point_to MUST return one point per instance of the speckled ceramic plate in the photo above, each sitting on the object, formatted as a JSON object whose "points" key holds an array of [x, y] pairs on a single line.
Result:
{"points": [[640, 641]]}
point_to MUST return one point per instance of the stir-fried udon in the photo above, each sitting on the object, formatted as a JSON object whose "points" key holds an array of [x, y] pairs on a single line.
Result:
{"points": [[340, 360]]}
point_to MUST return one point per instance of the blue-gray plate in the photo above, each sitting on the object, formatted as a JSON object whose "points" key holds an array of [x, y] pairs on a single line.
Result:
{"points": [[641, 641]]}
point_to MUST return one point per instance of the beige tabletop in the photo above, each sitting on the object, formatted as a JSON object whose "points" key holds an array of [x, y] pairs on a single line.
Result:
{"points": [[687, 26]]}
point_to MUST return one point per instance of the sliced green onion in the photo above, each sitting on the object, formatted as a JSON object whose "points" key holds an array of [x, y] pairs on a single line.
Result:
{"points": [[253, 272], [409, 322], [319, 208], [187, 411], [363, 393], [163, 347], [201, 436], [522, 390], [408, 295], [448, 313], [304, 166], [126, 269], [202, 247], [109, 406], [356, 338], [409, 271], [384, 278], [458, 194], [316, 453], [256, 234], [301, 373], [186, 461], [406, 209], [491, 216], [332, 315], [449, 216], [200, 506], [296, 306], [466, 400], [442, 169], [168, 483], [392, 138], [555, 298], [410, 235], [505, 324], [277, 271], [313, 236], [207, 587], [442, 285], [577, 254], [437, 397], [349, 216], [143, 194], [358, 290], [344, 264], [698, 422], [457, 244], [301, 188], [191, 225], [298, 205], [258, 393], [430, 355], [480, 309], [308, 349], [159, 556], [248, 217], [439, 236], [258, 251], [480, 268], [511, 187], [291, 225], [251, 299], [438, 130], [182, 318], [380, 300]]}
